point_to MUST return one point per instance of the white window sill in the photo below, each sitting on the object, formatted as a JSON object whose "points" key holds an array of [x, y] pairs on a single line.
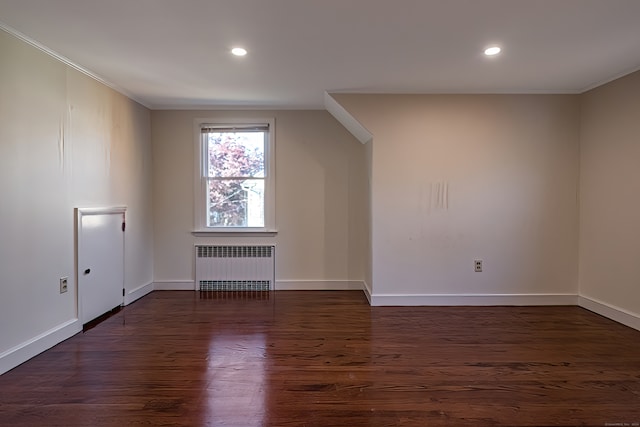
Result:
{"points": [[234, 232]]}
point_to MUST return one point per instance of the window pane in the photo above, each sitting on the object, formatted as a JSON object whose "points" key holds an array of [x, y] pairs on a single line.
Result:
{"points": [[235, 154], [235, 203]]}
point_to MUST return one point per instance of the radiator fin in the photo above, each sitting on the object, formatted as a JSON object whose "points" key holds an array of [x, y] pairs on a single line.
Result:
{"points": [[235, 268], [234, 285], [236, 295], [234, 251]]}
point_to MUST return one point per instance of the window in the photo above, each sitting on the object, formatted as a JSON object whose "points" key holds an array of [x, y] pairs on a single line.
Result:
{"points": [[235, 185]]}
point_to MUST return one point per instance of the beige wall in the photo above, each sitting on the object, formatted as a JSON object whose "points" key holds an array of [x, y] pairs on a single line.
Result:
{"points": [[66, 141], [610, 195], [320, 198], [457, 178]]}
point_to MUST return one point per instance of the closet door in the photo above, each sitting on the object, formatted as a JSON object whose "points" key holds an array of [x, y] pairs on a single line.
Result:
{"points": [[100, 261]]}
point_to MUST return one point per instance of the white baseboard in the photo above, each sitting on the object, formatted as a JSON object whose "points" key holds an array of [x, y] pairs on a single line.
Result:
{"points": [[176, 285], [472, 299], [367, 291], [22, 352], [612, 312], [319, 285], [137, 293]]}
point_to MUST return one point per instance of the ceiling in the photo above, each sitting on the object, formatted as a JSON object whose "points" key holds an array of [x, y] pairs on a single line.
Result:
{"points": [[175, 53]]}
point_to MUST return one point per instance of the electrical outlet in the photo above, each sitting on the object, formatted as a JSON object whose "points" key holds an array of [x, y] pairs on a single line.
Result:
{"points": [[477, 265], [63, 284]]}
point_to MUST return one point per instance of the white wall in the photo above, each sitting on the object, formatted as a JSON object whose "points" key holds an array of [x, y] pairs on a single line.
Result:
{"points": [[66, 141], [610, 200], [320, 200], [457, 178]]}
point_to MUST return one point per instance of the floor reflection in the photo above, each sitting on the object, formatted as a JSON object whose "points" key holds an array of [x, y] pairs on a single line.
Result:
{"points": [[236, 378]]}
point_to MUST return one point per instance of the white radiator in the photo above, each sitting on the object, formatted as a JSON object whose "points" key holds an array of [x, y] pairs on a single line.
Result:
{"points": [[235, 268]]}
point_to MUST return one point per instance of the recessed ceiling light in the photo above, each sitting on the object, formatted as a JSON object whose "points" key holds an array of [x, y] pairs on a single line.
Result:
{"points": [[238, 51], [493, 50]]}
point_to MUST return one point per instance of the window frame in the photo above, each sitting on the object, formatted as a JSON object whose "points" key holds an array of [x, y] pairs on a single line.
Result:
{"points": [[200, 184]]}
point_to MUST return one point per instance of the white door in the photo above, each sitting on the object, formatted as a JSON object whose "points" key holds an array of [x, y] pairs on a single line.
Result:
{"points": [[100, 261]]}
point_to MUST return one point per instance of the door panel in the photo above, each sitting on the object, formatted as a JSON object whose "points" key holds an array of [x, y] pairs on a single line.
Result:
{"points": [[100, 261]]}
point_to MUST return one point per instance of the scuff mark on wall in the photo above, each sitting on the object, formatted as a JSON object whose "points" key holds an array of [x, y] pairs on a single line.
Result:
{"points": [[434, 197], [107, 157], [61, 143], [439, 196], [68, 141]]}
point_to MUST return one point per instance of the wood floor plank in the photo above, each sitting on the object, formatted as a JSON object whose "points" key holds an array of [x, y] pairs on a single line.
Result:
{"points": [[329, 359]]}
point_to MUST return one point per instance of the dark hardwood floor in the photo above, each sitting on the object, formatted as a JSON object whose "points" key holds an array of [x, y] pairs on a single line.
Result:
{"points": [[328, 359]]}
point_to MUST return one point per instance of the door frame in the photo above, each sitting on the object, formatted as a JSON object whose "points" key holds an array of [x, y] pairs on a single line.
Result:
{"points": [[79, 213]]}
